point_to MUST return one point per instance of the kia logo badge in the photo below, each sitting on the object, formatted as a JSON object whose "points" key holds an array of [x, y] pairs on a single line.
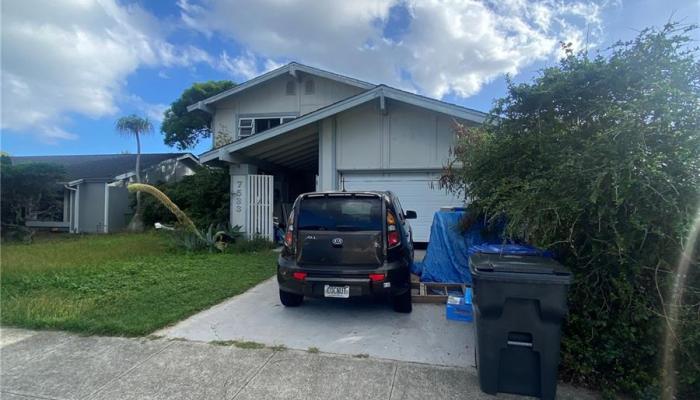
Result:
{"points": [[337, 242]]}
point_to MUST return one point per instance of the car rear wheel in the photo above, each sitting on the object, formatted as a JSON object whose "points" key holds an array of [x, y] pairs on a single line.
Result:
{"points": [[290, 299], [402, 302]]}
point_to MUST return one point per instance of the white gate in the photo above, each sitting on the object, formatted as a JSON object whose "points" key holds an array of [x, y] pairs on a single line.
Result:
{"points": [[259, 207]]}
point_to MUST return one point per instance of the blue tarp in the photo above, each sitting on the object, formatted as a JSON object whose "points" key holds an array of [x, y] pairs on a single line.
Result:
{"points": [[447, 256], [446, 259]]}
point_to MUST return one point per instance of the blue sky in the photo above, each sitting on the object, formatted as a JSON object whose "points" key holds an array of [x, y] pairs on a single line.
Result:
{"points": [[71, 68]]}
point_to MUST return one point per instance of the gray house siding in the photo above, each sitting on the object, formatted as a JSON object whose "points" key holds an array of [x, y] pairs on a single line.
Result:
{"points": [[119, 210], [92, 207], [271, 99], [406, 138]]}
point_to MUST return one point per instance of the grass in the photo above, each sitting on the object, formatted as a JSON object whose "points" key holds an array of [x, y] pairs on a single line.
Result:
{"points": [[123, 284]]}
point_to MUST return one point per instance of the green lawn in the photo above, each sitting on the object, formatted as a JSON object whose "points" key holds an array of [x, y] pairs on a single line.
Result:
{"points": [[125, 284]]}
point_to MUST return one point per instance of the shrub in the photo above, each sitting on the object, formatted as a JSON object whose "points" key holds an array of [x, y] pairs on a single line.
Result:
{"points": [[598, 160], [204, 196], [251, 245], [228, 241], [31, 188], [186, 234]]}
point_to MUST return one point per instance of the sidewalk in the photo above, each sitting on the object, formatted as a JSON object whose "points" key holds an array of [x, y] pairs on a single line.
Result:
{"points": [[56, 365]]}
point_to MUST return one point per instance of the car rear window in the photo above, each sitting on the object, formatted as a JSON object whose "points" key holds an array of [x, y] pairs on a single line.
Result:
{"points": [[340, 214]]}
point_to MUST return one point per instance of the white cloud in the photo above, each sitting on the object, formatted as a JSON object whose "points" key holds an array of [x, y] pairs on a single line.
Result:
{"points": [[73, 56], [451, 46], [153, 111], [244, 66]]}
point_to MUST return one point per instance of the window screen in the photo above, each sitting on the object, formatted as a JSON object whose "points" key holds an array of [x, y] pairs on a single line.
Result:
{"points": [[245, 127]]}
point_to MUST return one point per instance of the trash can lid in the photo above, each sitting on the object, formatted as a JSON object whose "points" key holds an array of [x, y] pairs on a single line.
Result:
{"points": [[522, 249], [518, 267]]}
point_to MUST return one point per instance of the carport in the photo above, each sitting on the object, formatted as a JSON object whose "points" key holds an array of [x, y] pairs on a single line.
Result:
{"points": [[267, 175]]}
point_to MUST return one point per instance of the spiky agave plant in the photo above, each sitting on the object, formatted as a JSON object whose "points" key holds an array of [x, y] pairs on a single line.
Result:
{"points": [[212, 239], [165, 200]]}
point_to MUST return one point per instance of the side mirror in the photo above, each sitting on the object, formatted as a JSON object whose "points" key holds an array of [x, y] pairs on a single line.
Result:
{"points": [[410, 214]]}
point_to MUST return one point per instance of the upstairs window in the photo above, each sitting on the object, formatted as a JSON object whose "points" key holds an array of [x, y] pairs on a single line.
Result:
{"points": [[245, 127], [251, 126]]}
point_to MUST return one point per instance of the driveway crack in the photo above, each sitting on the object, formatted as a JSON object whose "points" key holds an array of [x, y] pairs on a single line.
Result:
{"points": [[29, 395], [393, 380], [250, 379], [136, 365]]}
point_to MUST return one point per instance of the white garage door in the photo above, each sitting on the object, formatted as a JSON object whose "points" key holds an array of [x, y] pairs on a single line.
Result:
{"points": [[417, 191]]}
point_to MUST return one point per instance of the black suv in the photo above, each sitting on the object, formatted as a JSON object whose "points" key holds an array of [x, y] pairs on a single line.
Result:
{"points": [[347, 244]]}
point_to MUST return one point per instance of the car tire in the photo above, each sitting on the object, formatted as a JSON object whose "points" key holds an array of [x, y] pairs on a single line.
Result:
{"points": [[402, 302], [291, 299]]}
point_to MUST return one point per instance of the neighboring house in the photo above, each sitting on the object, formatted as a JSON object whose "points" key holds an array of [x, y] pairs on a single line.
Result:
{"points": [[298, 129], [95, 198]]}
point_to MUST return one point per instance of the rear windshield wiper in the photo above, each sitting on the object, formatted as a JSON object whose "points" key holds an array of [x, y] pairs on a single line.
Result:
{"points": [[313, 228], [351, 228]]}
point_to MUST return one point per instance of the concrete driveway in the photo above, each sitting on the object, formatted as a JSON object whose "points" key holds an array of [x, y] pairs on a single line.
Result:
{"points": [[343, 327]]}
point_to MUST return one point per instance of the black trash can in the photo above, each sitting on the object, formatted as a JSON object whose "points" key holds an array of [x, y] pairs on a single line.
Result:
{"points": [[519, 306]]}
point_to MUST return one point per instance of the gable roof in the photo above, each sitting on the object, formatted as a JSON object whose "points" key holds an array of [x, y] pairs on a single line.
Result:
{"points": [[380, 92], [290, 69], [100, 166]]}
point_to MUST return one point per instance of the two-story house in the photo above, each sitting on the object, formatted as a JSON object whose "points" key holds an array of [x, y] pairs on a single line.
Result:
{"points": [[298, 129]]}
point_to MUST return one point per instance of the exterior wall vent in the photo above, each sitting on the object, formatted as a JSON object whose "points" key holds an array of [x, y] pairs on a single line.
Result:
{"points": [[309, 86], [291, 88]]}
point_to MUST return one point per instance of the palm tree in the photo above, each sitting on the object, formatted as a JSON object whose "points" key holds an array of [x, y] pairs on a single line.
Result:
{"points": [[133, 125]]}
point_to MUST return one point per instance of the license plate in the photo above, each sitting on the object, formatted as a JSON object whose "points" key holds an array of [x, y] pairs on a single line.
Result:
{"points": [[342, 292]]}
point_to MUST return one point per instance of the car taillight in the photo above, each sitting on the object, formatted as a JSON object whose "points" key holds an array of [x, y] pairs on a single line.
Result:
{"points": [[300, 276], [376, 277], [289, 235], [288, 239], [392, 237]]}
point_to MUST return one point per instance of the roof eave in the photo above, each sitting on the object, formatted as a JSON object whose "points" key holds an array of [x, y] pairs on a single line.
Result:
{"points": [[378, 92], [189, 156], [294, 124], [90, 180], [290, 69], [200, 106], [435, 105]]}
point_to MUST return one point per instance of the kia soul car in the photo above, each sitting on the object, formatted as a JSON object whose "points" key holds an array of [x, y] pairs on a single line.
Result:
{"points": [[347, 244]]}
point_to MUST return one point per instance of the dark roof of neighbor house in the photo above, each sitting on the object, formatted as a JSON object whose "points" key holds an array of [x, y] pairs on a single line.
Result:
{"points": [[99, 166]]}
